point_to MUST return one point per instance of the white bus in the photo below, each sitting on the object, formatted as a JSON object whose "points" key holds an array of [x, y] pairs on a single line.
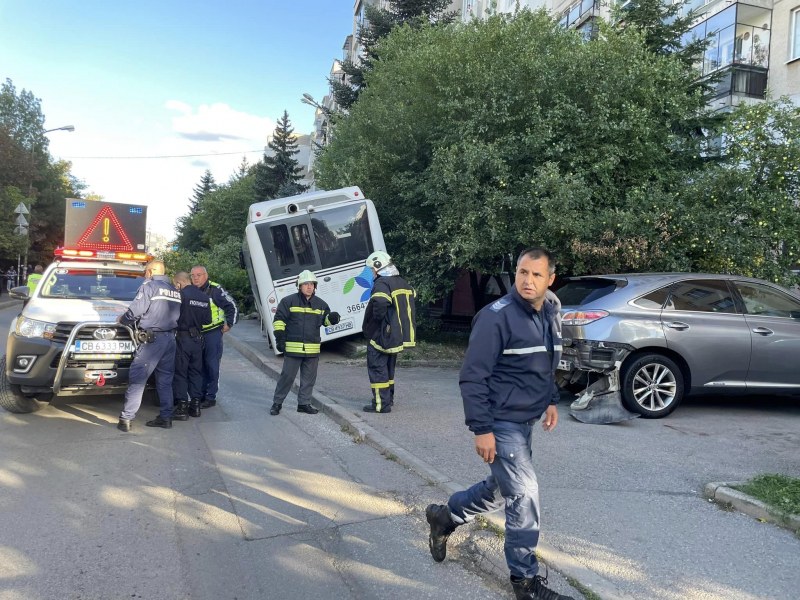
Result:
{"points": [[330, 233]]}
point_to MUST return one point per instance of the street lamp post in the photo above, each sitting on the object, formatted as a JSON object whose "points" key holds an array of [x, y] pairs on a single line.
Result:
{"points": [[23, 225]]}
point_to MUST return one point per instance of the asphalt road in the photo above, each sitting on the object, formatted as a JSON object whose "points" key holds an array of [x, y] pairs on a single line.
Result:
{"points": [[233, 505], [625, 500]]}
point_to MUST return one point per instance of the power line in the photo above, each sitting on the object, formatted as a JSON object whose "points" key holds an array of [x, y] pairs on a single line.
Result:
{"points": [[163, 156]]}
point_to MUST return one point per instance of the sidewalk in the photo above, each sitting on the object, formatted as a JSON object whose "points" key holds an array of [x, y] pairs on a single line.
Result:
{"points": [[615, 522]]}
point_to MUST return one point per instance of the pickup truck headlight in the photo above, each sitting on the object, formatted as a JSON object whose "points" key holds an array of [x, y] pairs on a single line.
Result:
{"points": [[35, 329]]}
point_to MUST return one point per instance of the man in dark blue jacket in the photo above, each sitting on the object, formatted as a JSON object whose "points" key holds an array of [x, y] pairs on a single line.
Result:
{"points": [[187, 385], [224, 315], [154, 312], [507, 384]]}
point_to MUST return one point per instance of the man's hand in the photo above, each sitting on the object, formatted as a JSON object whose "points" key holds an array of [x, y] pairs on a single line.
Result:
{"points": [[225, 328], [484, 446], [550, 418], [334, 318]]}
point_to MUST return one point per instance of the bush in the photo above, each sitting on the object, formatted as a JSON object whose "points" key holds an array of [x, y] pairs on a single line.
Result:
{"points": [[222, 263]]}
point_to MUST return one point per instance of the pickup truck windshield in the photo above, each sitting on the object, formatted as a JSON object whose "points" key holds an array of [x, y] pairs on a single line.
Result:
{"points": [[91, 283]]}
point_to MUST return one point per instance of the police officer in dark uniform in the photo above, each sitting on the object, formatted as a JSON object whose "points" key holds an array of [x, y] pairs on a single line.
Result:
{"points": [[188, 379], [223, 316], [154, 312]]}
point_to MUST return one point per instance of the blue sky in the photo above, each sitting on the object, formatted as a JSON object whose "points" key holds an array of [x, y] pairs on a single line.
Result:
{"points": [[169, 77]]}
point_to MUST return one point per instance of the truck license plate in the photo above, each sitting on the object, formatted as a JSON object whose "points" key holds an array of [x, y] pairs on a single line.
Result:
{"points": [[103, 346]]}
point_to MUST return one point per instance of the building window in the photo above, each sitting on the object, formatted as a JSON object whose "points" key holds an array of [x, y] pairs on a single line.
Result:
{"points": [[794, 46]]}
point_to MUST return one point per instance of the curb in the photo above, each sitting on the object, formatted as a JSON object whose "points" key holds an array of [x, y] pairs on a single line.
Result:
{"points": [[363, 432], [722, 491]]}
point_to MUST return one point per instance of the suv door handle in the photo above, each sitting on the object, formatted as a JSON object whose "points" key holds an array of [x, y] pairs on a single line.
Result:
{"points": [[763, 330], [676, 325]]}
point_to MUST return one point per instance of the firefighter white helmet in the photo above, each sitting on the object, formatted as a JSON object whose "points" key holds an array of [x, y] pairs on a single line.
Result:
{"points": [[378, 259], [306, 277]]}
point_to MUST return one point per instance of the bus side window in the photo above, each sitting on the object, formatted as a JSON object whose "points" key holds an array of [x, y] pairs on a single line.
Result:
{"points": [[283, 247], [302, 244]]}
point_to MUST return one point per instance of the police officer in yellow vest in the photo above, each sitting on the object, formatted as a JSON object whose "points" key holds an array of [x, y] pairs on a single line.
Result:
{"points": [[34, 278], [224, 315], [389, 326], [297, 323]]}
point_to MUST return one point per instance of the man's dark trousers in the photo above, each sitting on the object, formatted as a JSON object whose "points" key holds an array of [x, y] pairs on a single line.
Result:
{"points": [[212, 355], [307, 365], [157, 356], [188, 367], [513, 486], [380, 368]]}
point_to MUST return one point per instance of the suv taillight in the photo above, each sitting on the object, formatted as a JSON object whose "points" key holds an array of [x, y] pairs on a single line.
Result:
{"points": [[582, 317]]}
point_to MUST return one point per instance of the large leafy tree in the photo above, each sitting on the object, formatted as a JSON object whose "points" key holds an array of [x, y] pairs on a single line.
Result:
{"points": [[379, 22], [189, 235], [27, 168], [477, 139], [746, 206], [278, 173]]}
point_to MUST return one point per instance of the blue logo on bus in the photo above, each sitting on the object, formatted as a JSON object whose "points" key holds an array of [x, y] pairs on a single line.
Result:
{"points": [[363, 280]]}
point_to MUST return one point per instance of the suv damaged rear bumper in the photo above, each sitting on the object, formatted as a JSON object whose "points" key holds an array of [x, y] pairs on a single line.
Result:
{"points": [[593, 355]]}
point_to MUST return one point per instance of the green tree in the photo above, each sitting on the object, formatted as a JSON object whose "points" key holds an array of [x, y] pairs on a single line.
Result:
{"points": [[746, 206], [379, 23], [477, 139], [223, 212], [277, 172], [222, 262], [189, 236]]}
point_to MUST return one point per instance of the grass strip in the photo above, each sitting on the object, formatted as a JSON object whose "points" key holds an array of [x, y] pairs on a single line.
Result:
{"points": [[780, 492]]}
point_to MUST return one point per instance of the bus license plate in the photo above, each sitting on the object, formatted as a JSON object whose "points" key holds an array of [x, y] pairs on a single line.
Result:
{"points": [[104, 346], [340, 326], [564, 365]]}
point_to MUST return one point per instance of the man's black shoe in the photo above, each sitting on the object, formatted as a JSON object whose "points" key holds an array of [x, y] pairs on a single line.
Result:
{"points": [[180, 412], [194, 407], [371, 409], [208, 403], [307, 408], [535, 589], [124, 425], [275, 410], [159, 422], [438, 516]]}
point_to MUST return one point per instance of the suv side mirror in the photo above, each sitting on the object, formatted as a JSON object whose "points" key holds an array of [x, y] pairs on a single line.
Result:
{"points": [[21, 292]]}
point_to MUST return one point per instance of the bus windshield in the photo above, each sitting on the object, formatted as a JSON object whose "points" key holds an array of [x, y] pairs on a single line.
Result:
{"points": [[323, 239]]}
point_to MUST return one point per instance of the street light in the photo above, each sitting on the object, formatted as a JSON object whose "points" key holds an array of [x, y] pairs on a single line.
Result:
{"points": [[309, 99], [23, 226]]}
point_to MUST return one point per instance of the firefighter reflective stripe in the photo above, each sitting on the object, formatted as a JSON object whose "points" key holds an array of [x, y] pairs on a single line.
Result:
{"points": [[379, 348], [279, 326], [382, 295], [412, 338], [302, 309], [302, 348], [380, 386]]}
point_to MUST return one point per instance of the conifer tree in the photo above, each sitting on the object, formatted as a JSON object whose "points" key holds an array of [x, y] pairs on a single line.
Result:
{"points": [[279, 171], [189, 235]]}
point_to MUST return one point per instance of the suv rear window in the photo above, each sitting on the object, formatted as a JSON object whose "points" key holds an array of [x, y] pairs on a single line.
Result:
{"points": [[582, 291], [92, 283]]}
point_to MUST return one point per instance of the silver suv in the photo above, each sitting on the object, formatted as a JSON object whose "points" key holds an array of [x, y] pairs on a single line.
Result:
{"points": [[670, 334]]}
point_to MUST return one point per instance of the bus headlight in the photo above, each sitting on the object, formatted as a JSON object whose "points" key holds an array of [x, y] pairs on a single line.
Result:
{"points": [[35, 329]]}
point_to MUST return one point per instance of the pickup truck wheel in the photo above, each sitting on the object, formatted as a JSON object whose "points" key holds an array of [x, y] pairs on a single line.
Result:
{"points": [[652, 385], [12, 398]]}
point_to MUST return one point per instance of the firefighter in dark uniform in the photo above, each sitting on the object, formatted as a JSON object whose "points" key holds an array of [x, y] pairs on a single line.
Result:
{"points": [[390, 327], [188, 381], [223, 316], [154, 313], [296, 324]]}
